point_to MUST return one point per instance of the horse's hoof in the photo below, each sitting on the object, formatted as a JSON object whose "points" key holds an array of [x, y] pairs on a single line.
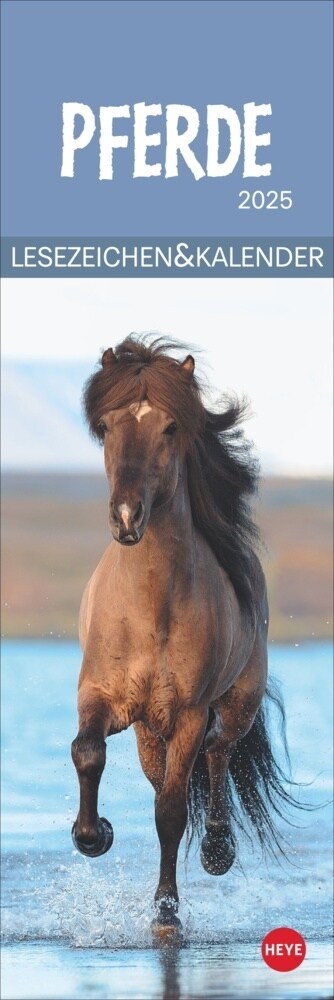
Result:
{"points": [[101, 845], [167, 934], [217, 849], [166, 926]]}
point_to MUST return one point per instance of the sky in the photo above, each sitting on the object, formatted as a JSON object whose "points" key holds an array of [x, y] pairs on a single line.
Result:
{"points": [[268, 339]]}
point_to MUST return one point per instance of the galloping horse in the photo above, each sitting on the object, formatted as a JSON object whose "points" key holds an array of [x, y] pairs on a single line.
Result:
{"points": [[173, 623]]}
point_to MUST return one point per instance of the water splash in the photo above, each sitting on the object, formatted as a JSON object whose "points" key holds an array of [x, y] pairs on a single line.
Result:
{"points": [[99, 904]]}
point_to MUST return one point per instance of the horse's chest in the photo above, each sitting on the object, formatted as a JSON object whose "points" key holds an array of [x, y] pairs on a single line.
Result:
{"points": [[162, 705], [146, 692], [153, 660]]}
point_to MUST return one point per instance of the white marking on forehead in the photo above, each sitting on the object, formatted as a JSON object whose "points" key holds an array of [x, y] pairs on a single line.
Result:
{"points": [[140, 410]]}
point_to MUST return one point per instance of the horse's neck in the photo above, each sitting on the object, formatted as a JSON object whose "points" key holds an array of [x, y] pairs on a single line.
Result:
{"points": [[171, 529], [166, 553]]}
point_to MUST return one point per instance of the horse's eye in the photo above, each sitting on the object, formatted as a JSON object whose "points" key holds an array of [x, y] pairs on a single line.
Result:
{"points": [[101, 429], [171, 429]]}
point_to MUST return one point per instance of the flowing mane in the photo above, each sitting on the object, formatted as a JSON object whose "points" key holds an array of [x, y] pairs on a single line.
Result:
{"points": [[222, 472]]}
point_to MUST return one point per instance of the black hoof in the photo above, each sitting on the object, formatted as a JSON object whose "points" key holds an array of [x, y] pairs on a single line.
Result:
{"points": [[101, 845], [217, 849]]}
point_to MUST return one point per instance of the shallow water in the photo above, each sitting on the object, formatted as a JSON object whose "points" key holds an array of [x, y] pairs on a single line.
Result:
{"points": [[75, 927]]}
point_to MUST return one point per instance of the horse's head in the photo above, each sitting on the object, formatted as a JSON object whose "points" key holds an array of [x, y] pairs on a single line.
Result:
{"points": [[144, 444], [142, 458]]}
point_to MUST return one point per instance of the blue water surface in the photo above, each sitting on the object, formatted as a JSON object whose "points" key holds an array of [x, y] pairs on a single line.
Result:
{"points": [[53, 898]]}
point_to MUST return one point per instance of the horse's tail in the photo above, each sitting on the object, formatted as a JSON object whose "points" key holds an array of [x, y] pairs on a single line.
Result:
{"points": [[256, 788]]}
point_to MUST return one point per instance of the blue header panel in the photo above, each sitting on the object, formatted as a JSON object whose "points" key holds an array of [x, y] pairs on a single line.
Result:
{"points": [[169, 53], [167, 258]]}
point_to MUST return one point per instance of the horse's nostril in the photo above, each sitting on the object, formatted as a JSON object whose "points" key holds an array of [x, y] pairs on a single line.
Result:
{"points": [[113, 510], [138, 513]]}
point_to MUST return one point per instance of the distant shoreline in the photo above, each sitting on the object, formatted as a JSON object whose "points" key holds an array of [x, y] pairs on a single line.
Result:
{"points": [[55, 529]]}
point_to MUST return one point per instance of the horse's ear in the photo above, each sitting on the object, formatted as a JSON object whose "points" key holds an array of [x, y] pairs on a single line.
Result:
{"points": [[188, 365], [108, 358]]}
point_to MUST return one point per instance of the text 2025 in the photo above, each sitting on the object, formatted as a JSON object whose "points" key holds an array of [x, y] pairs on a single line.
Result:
{"points": [[265, 199]]}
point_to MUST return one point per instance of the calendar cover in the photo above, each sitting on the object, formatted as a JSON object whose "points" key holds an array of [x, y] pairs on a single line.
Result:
{"points": [[167, 266]]}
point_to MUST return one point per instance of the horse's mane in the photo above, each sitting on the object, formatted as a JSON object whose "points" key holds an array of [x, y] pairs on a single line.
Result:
{"points": [[222, 473]]}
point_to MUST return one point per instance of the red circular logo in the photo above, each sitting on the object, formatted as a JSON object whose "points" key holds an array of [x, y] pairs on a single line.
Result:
{"points": [[283, 949]]}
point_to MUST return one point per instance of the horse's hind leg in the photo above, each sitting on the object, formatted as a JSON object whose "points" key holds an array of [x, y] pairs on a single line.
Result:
{"points": [[171, 810], [91, 834], [234, 717]]}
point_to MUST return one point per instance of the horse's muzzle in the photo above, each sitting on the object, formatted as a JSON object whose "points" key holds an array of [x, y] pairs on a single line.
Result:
{"points": [[126, 521]]}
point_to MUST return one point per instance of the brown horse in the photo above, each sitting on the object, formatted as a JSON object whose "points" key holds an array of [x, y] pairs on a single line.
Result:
{"points": [[174, 629]]}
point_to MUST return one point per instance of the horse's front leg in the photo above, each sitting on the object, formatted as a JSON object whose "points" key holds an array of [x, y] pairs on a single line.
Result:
{"points": [[91, 834], [171, 810]]}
